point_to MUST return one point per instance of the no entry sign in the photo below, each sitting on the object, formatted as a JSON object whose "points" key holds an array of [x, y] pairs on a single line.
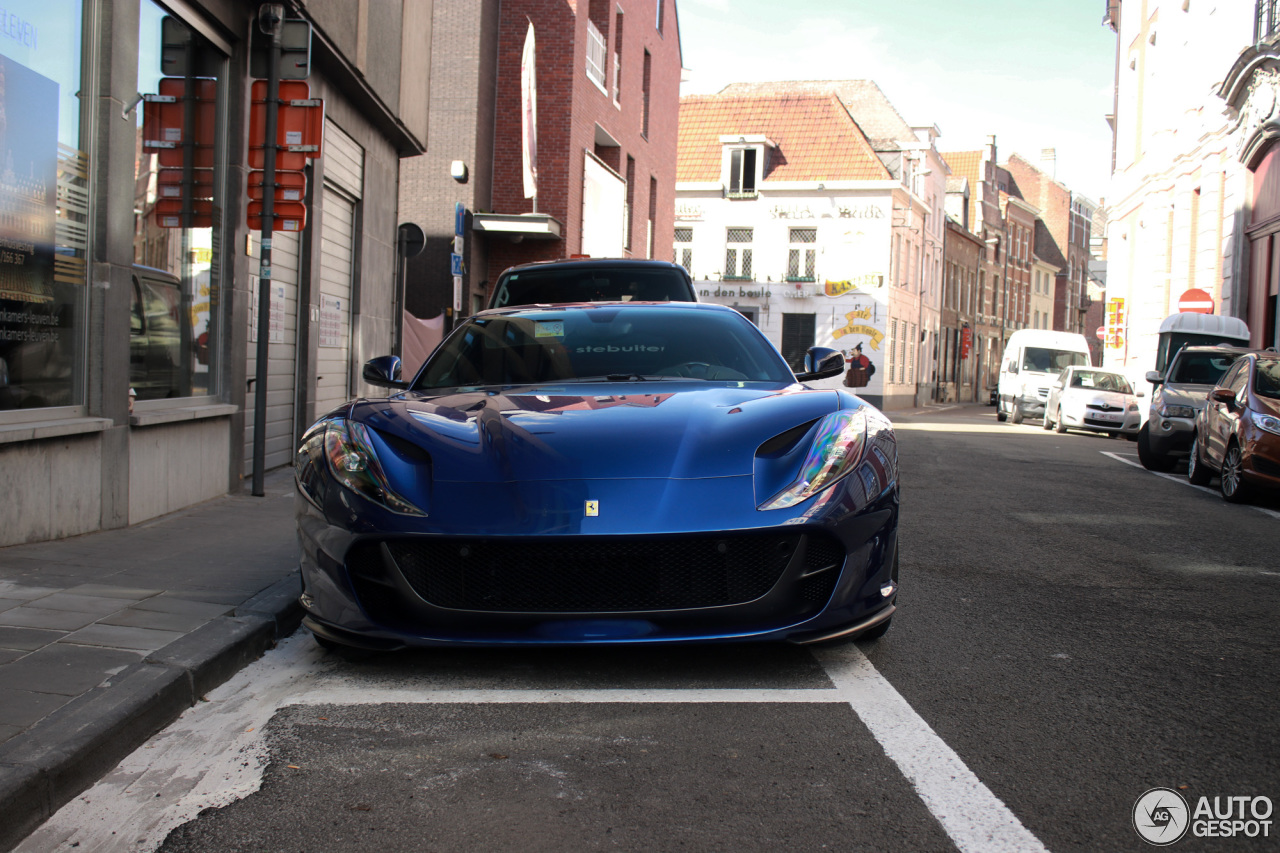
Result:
{"points": [[1196, 301]]}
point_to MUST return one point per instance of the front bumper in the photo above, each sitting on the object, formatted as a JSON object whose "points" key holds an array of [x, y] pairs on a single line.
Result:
{"points": [[394, 591], [1170, 435]]}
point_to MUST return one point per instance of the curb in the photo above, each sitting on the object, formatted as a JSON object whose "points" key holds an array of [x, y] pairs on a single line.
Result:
{"points": [[67, 752]]}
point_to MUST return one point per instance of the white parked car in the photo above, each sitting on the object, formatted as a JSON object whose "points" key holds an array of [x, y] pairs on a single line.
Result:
{"points": [[1090, 398]]}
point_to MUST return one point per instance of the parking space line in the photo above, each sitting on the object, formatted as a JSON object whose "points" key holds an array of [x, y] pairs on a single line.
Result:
{"points": [[363, 694], [1184, 481], [973, 817]]}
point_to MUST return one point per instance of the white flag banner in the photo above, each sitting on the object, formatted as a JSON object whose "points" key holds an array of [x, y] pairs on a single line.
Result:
{"points": [[529, 116]]}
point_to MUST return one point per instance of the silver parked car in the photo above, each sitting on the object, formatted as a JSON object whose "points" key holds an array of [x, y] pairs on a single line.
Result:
{"points": [[1093, 399], [1179, 394]]}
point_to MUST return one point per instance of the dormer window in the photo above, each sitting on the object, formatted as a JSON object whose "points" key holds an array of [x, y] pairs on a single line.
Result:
{"points": [[743, 164]]}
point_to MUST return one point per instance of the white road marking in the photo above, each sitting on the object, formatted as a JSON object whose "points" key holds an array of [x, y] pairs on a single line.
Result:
{"points": [[215, 754], [974, 818], [1184, 481]]}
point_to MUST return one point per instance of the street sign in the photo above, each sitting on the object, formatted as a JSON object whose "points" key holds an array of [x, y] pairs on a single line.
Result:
{"points": [[455, 264], [412, 239], [168, 213], [169, 183], [287, 216], [290, 186], [1102, 333], [1196, 301], [168, 128], [299, 126], [295, 51], [459, 219]]}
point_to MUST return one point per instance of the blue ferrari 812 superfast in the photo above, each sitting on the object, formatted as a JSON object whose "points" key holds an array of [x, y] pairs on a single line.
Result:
{"points": [[599, 473]]}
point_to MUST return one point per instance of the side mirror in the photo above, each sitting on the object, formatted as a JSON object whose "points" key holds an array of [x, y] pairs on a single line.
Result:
{"points": [[1154, 377], [383, 371], [1223, 395], [820, 363], [1013, 367], [1140, 394]]}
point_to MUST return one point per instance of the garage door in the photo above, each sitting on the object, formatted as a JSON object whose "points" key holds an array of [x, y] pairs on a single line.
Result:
{"points": [[339, 197], [282, 351]]}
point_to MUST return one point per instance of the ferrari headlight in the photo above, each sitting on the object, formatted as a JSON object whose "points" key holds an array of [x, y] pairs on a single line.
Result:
{"points": [[354, 464], [836, 450], [1270, 423]]}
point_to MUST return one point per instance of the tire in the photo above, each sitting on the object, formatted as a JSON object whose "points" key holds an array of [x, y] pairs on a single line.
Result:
{"points": [[1151, 460], [1197, 473], [1015, 413], [1000, 413], [1231, 482], [1061, 425], [1048, 421]]}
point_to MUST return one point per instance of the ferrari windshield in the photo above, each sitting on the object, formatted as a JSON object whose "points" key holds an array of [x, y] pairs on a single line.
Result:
{"points": [[607, 342]]}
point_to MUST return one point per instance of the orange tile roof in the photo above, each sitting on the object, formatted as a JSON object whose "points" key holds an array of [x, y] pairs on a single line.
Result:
{"points": [[965, 164], [816, 138]]}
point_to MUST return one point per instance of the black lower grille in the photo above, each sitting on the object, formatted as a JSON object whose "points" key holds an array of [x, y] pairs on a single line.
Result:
{"points": [[584, 575], [1266, 466]]}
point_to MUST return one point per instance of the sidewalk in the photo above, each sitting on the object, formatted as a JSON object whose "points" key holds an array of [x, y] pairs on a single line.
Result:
{"points": [[106, 638]]}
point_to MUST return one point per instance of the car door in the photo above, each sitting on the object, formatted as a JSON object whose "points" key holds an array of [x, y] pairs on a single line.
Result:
{"points": [[1220, 418], [1055, 393]]}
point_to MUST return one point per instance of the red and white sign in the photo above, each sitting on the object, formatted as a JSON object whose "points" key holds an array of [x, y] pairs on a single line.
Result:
{"points": [[1102, 333], [1196, 301]]}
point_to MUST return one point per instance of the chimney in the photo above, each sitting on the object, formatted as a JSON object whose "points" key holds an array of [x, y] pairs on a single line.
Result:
{"points": [[989, 151], [1049, 161]]}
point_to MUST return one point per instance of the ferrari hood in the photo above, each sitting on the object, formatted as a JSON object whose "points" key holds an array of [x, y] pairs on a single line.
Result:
{"points": [[675, 430]]}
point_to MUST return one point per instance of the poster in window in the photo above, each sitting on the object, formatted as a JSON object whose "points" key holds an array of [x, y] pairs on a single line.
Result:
{"points": [[28, 184]]}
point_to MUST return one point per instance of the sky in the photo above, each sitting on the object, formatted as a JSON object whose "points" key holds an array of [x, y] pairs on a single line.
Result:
{"points": [[1036, 73]]}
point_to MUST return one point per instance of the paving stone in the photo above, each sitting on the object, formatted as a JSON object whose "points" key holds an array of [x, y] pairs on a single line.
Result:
{"points": [[38, 617], [135, 617], [7, 732], [91, 604], [10, 603], [11, 655], [25, 592], [26, 707], [184, 606], [211, 596], [65, 669], [103, 590], [121, 637], [27, 639]]}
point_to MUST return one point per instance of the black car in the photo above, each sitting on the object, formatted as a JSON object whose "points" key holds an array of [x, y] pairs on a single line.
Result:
{"points": [[592, 280]]}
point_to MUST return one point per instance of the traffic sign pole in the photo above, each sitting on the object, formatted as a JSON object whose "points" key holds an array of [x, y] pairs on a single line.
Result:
{"points": [[270, 19]]}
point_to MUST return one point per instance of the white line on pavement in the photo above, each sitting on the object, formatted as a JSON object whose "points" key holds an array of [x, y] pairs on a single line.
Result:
{"points": [[974, 818], [1183, 480]]}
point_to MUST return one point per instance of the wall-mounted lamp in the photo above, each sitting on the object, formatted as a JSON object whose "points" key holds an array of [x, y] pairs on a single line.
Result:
{"points": [[458, 171]]}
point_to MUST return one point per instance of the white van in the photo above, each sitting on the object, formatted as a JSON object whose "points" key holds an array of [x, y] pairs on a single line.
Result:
{"points": [[1032, 360]]}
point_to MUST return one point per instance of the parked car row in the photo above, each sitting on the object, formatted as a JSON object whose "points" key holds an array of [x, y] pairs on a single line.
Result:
{"points": [[1220, 407]]}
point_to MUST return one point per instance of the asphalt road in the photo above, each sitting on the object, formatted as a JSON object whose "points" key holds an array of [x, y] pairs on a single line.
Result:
{"points": [[1073, 631]]}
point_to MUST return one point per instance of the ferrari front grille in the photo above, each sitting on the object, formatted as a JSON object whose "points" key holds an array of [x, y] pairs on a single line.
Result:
{"points": [[601, 575]]}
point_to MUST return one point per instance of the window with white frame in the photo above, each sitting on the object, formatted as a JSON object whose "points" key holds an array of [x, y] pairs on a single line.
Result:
{"points": [[742, 172], [595, 54], [893, 348], [684, 248], [737, 253], [801, 256]]}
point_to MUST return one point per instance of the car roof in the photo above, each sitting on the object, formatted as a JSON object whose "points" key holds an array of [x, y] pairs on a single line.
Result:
{"points": [[576, 263], [543, 307]]}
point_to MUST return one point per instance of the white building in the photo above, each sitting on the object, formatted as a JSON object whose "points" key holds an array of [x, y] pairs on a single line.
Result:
{"points": [[1179, 198], [788, 212]]}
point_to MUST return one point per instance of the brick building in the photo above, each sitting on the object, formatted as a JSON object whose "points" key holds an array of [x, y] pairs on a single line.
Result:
{"points": [[607, 81]]}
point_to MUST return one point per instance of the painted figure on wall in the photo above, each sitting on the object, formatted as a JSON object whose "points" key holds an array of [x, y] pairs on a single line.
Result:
{"points": [[860, 369]]}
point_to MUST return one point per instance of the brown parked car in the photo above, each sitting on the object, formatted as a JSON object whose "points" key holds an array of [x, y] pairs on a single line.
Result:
{"points": [[1238, 431]]}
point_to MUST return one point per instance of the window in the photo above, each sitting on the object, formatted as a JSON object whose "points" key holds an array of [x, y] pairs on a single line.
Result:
{"points": [[800, 259], [653, 215], [737, 256], [631, 201], [742, 172], [658, 23], [1266, 20], [797, 337], [595, 54], [684, 249], [178, 227], [617, 58], [911, 353], [893, 347], [44, 206], [644, 85]]}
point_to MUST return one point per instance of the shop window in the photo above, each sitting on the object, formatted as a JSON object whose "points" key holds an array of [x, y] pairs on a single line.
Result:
{"points": [[178, 214], [44, 206]]}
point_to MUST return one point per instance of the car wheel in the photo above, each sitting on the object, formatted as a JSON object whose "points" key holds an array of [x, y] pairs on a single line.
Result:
{"points": [[1000, 413], [1232, 481], [1061, 425], [1015, 413], [1048, 421], [1151, 460], [1197, 473]]}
